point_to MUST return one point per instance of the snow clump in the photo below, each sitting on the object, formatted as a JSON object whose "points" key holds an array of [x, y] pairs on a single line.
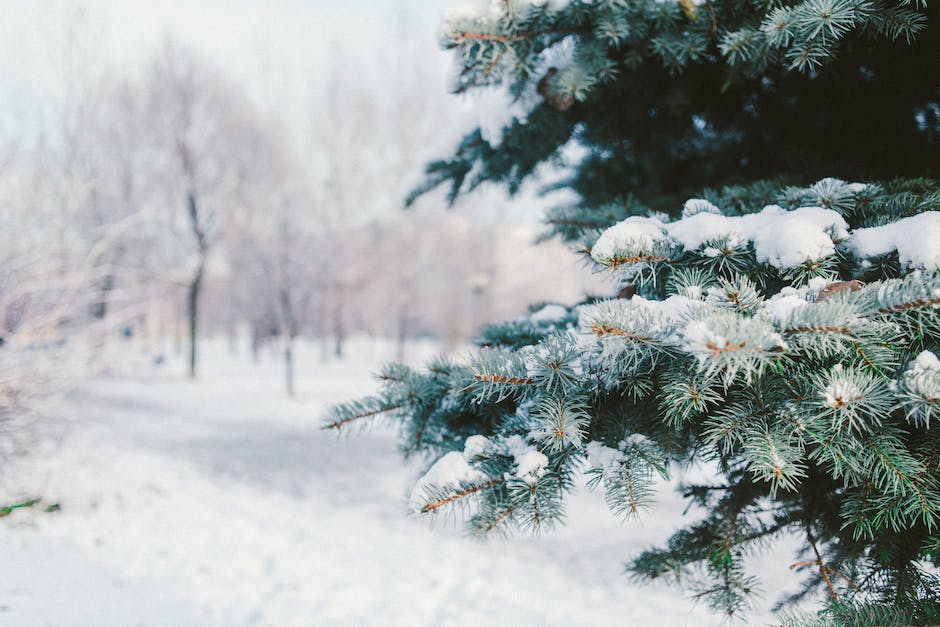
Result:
{"points": [[549, 314], [915, 238], [530, 462], [781, 238]]}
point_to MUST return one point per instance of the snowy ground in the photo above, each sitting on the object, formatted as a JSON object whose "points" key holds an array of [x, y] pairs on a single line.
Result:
{"points": [[220, 502]]}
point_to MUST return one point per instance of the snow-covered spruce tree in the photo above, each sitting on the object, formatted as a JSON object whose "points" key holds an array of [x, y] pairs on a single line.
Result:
{"points": [[785, 336], [675, 96]]}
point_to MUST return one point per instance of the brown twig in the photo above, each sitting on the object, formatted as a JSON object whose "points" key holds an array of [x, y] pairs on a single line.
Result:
{"points": [[339, 423], [500, 518], [711, 9], [617, 260], [462, 36], [842, 330], [914, 304], [499, 378], [727, 348], [824, 569], [430, 507], [492, 64], [600, 330]]}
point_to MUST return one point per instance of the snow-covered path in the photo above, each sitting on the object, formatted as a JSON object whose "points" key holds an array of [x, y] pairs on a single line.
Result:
{"points": [[221, 503]]}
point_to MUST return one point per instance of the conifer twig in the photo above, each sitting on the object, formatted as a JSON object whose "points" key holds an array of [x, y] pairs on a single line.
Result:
{"points": [[499, 378], [372, 412], [430, 507]]}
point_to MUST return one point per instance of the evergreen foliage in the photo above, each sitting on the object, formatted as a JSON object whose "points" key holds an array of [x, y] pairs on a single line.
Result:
{"points": [[811, 391], [785, 335], [671, 97]]}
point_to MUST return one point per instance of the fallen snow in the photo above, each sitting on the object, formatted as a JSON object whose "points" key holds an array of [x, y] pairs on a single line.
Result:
{"points": [[483, 14], [531, 466], [696, 326], [451, 469], [530, 463], [781, 306], [602, 456], [219, 502], [922, 377], [785, 239], [635, 439], [781, 238], [915, 238], [475, 446], [926, 361], [694, 206], [699, 228], [549, 313], [635, 231]]}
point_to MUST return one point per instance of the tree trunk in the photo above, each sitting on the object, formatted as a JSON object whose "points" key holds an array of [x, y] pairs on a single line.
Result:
{"points": [[192, 305], [401, 340], [339, 324], [195, 286], [99, 308], [289, 365], [405, 291], [255, 347]]}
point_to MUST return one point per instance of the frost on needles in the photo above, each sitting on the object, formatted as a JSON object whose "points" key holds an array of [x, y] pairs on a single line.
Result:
{"points": [[808, 375]]}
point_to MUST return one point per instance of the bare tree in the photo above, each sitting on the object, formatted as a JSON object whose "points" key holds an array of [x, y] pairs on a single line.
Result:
{"points": [[272, 244], [197, 115], [346, 131]]}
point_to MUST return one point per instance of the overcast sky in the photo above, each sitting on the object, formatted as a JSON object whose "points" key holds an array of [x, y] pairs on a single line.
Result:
{"points": [[275, 49], [257, 41]]}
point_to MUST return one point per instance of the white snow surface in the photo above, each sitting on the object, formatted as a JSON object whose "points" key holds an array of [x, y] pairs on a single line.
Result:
{"points": [[781, 305], [698, 205], [450, 469], [915, 238], [485, 12], [530, 463], [788, 238], [781, 238], [699, 228], [926, 361], [549, 313], [695, 324], [476, 445], [635, 230], [220, 502], [602, 456]]}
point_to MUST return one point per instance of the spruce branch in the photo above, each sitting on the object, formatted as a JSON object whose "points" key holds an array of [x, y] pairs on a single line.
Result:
{"points": [[463, 490], [345, 414], [812, 399], [825, 570]]}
